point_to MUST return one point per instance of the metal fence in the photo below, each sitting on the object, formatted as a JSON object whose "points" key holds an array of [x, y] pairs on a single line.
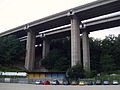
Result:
{"points": [[25, 80]]}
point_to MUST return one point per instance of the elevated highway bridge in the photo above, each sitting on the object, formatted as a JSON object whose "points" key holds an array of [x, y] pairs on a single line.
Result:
{"points": [[91, 25], [79, 20]]}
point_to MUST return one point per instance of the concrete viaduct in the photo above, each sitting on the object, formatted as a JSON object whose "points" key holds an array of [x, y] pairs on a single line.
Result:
{"points": [[73, 22]]}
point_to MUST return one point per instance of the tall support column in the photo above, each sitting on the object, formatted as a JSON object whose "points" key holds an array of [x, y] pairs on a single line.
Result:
{"points": [[86, 51], [46, 47], [75, 41], [30, 50]]}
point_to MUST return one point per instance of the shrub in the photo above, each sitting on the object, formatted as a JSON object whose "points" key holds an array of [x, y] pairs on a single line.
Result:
{"points": [[75, 72]]}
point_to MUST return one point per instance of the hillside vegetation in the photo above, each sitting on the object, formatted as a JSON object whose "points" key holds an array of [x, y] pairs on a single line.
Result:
{"points": [[105, 54]]}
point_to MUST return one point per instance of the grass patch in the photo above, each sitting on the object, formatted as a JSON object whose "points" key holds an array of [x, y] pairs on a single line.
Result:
{"points": [[11, 68], [110, 78]]}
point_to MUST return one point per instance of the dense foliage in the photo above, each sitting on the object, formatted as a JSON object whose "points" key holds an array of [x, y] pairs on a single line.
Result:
{"points": [[76, 72], [59, 57], [105, 54], [11, 51]]}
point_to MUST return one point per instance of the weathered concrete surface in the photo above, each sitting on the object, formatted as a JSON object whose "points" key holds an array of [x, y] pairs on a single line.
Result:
{"points": [[75, 41], [86, 51], [46, 47], [13, 86], [30, 51]]}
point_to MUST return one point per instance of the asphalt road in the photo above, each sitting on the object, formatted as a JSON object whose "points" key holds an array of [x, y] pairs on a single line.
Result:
{"points": [[13, 86]]}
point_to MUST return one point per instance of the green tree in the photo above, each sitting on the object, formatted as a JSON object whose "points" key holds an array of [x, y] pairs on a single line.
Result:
{"points": [[11, 50], [55, 61], [116, 52], [95, 53], [50, 60], [59, 57], [103, 54], [107, 63], [75, 72], [107, 60]]}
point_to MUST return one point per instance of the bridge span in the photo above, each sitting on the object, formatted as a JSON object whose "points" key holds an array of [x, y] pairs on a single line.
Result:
{"points": [[79, 20]]}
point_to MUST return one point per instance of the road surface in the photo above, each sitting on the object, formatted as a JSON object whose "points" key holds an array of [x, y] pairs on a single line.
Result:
{"points": [[15, 86]]}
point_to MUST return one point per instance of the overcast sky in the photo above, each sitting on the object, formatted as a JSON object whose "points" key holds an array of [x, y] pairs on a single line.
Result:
{"points": [[14, 13]]}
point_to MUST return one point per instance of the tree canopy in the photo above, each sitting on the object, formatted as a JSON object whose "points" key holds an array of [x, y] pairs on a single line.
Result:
{"points": [[76, 72], [59, 57], [11, 50], [104, 54]]}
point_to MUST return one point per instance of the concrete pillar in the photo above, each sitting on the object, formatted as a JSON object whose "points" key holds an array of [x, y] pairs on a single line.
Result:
{"points": [[30, 50], [75, 41], [86, 51], [46, 47]]}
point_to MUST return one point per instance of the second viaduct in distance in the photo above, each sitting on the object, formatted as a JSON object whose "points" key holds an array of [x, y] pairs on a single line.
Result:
{"points": [[73, 18]]}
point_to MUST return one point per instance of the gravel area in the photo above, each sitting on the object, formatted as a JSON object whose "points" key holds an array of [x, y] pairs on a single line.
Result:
{"points": [[15, 86]]}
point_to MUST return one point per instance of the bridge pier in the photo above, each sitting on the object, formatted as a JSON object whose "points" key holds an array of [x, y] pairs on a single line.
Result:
{"points": [[30, 50], [46, 47], [75, 41], [86, 51]]}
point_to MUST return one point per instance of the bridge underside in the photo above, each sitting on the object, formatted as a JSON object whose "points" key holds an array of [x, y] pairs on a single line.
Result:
{"points": [[73, 17]]}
